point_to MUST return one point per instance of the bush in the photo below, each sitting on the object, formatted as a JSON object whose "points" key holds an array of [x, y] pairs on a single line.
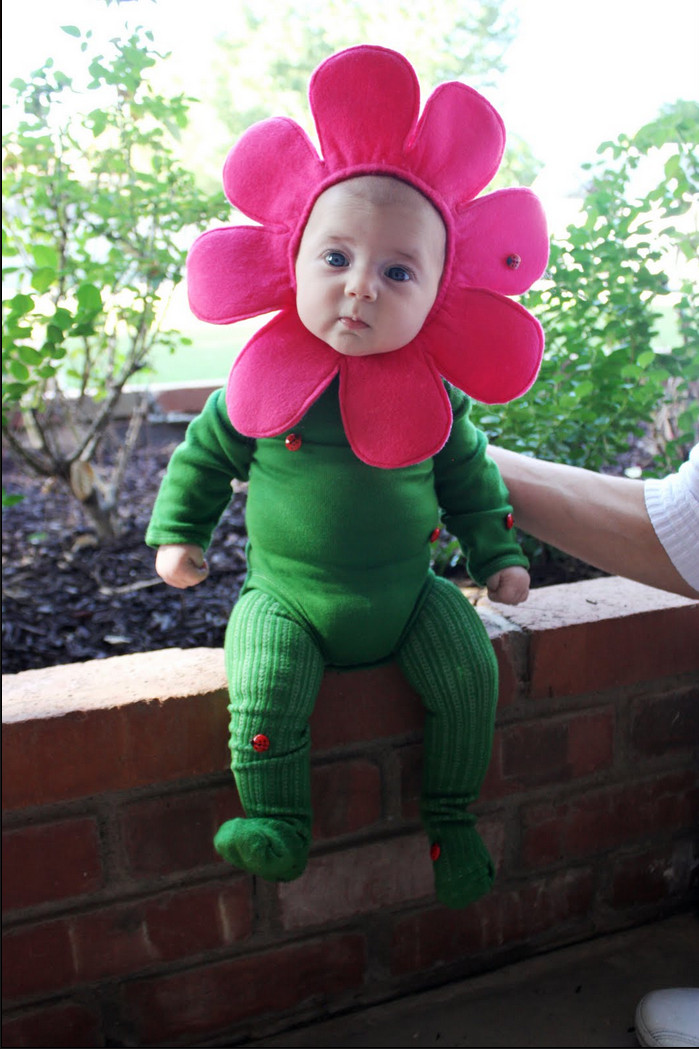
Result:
{"points": [[97, 216], [607, 380]]}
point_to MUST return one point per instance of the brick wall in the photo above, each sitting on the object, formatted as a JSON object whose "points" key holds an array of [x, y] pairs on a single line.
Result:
{"points": [[123, 928]]}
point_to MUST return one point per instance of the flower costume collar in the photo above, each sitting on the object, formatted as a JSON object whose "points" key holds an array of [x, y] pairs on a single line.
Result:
{"points": [[395, 409]]}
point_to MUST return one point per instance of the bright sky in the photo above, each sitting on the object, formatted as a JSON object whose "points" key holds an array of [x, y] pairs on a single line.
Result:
{"points": [[580, 72]]}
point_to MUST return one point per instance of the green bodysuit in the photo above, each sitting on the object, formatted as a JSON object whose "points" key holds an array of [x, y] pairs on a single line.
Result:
{"points": [[338, 575]]}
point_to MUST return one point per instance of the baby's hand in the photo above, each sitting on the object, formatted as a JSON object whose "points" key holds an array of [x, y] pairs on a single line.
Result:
{"points": [[510, 586], [181, 564]]}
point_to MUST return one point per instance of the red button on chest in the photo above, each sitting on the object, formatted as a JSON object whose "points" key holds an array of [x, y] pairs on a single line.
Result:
{"points": [[509, 521], [435, 852], [260, 742], [293, 442], [435, 535]]}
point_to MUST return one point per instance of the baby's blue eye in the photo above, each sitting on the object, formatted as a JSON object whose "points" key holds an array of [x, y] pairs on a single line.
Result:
{"points": [[336, 258], [398, 273]]}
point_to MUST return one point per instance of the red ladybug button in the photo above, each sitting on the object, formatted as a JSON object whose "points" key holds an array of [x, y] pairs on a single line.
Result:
{"points": [[509, 522], [435, 535], [293, 442], [260, 742], [435, 852]]}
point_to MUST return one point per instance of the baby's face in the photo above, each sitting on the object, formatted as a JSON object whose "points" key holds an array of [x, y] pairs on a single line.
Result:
{"points": [[369, 265]]}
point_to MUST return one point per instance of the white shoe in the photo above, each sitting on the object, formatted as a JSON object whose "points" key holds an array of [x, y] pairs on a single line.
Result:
{"points": [[669, 1017]]}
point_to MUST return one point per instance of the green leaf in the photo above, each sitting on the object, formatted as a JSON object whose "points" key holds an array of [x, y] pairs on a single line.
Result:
{"points": [[89, 298], [19, 370], [29, 355], [54, 334], [99, 120], [71, 30], [45, 256], [62, 318], [22, 304], [42, 279]]}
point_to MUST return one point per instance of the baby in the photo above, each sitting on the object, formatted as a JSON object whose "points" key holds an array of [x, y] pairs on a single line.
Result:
{"points": [[339, 547]]}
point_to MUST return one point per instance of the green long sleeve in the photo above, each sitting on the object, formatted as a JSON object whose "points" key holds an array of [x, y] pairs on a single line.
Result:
{"points": [[196, 488], [473, 497]]}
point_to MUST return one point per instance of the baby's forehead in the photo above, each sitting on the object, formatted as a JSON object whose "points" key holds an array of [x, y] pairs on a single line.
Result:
{"points": [[379, 190], [374, 192]]}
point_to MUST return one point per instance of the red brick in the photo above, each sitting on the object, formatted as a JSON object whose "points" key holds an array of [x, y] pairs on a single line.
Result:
{"points": [[557, 750], [670, 723], [37, 959], [357, 881], [536, 752], [437, 936], [604, 634], [346, 797], [591, 742], [50, 861], [360, 705], [536, 907], [66, 1024], [163, 715], [603, 819], [173, 833], [510, 649], [410, 759], [495, 785], [644, 878], [211, 998], [124, 939]]}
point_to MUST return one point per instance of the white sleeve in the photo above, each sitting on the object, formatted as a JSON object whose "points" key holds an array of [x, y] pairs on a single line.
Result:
{"points": [[673, 508]]}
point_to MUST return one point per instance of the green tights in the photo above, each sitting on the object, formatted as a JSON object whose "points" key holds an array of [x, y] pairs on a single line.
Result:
{"points": [[274, 671]]}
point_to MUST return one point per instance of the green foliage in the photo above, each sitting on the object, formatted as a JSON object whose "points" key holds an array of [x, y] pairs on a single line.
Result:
{"points": [[608, 376], [95, 230], [275, 45]]}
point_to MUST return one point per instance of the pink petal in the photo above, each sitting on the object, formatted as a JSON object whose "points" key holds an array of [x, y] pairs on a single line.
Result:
{"points": [[502, 242], [487, 345], [237, 272], [459, 142], [395, 409], [277, 377], [365, 102], [269, 173]]}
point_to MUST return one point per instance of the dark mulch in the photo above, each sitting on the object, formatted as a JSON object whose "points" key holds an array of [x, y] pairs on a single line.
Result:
{"points": [[67, 600]]}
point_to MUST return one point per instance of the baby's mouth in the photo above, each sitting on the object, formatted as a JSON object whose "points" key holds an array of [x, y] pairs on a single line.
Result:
{"points": [[353, 323]]}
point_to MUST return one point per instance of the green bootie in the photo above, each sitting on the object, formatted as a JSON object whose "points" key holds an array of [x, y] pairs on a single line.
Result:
{"points": [[270, 848], [463, 869]]}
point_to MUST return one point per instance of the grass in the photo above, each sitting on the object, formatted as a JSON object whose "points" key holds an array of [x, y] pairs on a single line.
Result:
{"points": [[213, 350], [208, 358]]}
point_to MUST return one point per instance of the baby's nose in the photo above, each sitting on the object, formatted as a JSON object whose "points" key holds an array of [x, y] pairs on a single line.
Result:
{"points": [[360, 283]]}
